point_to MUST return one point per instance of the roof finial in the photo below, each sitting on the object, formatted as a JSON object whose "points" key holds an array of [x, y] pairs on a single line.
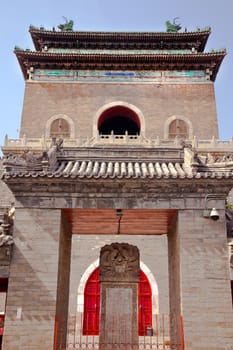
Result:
{"points": [[67, 26], [173, 27]]}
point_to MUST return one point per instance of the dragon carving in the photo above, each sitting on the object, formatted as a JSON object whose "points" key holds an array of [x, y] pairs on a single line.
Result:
{"points": [[119, 262], [173, 27], [67, 26]]}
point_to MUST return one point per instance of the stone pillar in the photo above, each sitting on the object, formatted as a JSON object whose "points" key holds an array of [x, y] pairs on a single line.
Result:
{"points": [[119, 278]]}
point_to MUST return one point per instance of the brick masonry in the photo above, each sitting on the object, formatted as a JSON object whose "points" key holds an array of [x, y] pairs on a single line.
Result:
{"points": [[205, 285], [6, 195], [190, 264], [81, 101], [31, 302], [195, 253]]}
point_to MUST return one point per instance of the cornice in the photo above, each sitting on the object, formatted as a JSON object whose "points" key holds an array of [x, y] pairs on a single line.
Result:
{"points": [[66, 190], [73, 38], [40, 60]]}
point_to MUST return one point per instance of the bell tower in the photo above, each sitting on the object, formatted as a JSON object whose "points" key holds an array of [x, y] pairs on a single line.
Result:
{"points": [[163, 81], [118, 159]]}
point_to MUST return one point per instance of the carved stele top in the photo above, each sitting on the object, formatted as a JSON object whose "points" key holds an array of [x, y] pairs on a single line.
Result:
{"points": [[119, 262]]}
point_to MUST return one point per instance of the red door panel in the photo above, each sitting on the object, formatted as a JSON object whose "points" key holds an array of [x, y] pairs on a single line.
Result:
{"points": [[92, 304], [144, 304]]}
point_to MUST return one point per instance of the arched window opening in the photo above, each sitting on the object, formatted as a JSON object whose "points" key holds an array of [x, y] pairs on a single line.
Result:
{"points": [[60, 128], [178, 128], [119, 120], [92, 304]]}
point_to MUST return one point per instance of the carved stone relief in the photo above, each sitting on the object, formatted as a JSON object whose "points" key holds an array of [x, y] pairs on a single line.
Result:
{"points": [[28, 161], [214, 159], [119, 262], [6, 226]]}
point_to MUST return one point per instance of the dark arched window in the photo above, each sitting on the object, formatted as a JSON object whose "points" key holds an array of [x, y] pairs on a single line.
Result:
{"points": [[119, 120], [92, 304], [60, 128], [178, 128]]}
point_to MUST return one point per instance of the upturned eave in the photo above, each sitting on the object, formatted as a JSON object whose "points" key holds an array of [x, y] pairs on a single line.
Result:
{"points": [[102, 61], [134, 39]]}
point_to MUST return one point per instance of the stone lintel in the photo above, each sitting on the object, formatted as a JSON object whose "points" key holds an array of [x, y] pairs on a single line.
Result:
{"points": [[156, 193], [41, 185]]}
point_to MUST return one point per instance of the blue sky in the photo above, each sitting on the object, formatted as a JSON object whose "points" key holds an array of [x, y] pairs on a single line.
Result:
{"points": [[109, 15]]}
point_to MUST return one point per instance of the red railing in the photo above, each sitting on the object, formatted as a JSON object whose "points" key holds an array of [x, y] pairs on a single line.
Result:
{"points": [[165, 333]]}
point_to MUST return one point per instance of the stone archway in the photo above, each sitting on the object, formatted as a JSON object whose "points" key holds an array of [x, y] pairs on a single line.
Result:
{"points": [[135, 221], [131, 113]]}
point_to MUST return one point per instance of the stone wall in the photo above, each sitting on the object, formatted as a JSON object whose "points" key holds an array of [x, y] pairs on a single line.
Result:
{"points": [[6, 195], [157, 103], [205, 282], [32, 288], [230, 199], [190, 267], [196, 261]]}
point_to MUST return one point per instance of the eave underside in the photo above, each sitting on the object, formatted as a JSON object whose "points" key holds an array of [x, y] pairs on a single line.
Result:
{"points": [[28, 59], [74, 39]]}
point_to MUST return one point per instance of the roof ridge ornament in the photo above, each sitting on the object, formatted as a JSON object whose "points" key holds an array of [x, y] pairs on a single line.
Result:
{"points": [[173, 27], [32, 162], [67, 26]]}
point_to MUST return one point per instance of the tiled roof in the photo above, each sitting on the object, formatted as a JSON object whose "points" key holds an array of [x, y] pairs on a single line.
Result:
{"points": [[29, 59], [120, 170], [110, 163], [42, 37]]}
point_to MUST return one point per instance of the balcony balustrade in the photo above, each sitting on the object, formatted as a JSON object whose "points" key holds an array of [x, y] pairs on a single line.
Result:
{"points": [[43, 144]]}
